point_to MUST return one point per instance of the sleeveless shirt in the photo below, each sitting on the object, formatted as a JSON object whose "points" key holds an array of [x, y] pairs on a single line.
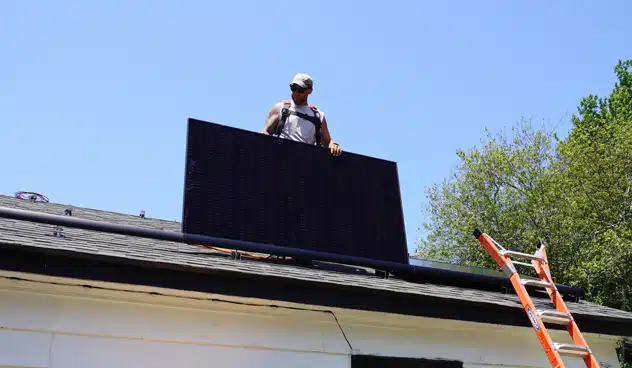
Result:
{"points": [[297, 128]]}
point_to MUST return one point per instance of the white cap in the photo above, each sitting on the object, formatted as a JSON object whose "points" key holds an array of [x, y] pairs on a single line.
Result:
{"points": [[303, 80]]}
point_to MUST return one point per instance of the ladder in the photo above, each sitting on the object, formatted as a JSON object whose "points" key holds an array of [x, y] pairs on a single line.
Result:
{"points": [[561, 315]]}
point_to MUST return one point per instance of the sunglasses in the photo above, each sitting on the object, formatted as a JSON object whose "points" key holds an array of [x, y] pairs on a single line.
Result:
{"points": [[297, 88]]}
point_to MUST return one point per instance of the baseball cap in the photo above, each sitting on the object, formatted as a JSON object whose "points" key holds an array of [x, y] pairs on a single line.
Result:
{"points": [[303, 80]]}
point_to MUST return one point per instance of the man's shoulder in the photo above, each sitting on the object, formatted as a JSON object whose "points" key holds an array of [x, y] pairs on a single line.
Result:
{"points": [[288, 103], [277, 106], [317, 110], [282, 103]]}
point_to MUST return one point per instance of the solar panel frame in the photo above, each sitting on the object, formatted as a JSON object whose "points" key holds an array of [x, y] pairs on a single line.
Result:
{"points": [[276, 191]]}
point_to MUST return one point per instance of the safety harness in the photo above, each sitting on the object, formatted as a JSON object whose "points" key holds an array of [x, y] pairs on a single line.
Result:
{"points": [[285, 112]]}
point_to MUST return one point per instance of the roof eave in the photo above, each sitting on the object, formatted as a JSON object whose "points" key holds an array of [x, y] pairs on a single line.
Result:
{"points": [[105, 268]]}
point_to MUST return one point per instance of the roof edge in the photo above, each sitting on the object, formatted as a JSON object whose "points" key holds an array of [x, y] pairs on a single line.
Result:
{"points": [[406, 271], [105, 268]]}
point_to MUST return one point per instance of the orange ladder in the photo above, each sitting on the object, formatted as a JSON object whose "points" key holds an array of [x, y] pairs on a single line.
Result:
{"points": [[561, 315]]}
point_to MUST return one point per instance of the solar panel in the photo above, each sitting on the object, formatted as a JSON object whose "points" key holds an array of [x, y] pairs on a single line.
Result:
{"points": [[455, 267], [248, 186]]}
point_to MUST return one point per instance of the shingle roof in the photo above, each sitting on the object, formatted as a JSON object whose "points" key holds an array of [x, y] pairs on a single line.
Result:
{"points": [[39, 237]]}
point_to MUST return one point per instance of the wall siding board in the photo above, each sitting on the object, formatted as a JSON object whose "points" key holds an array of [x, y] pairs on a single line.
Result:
{"points": [[80, 327]]}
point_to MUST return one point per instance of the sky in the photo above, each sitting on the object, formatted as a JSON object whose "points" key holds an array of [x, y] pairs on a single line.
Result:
{"points": [[94, 96]]}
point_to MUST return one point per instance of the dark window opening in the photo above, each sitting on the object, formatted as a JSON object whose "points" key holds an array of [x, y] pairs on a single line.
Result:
{"points": [[371, 361], [624, 352]]}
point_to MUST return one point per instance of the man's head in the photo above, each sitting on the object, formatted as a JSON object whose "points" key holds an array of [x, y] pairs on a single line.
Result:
{"points": [[301, 87]]}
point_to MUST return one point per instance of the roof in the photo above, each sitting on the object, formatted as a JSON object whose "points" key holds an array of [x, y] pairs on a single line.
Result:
{"points": [[32, 247]]}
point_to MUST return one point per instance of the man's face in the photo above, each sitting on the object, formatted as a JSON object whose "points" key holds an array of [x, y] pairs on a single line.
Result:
{"points": [[299, 94]]}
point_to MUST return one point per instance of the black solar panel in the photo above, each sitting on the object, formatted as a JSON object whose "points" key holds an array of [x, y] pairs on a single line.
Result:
{"points": [[247, 186]]}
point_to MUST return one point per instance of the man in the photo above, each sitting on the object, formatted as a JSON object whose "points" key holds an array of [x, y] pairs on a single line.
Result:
{"points": [[296, 120]]}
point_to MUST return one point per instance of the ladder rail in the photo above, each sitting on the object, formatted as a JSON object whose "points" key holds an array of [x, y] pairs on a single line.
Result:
{"points": [[561, 315], [506, 265], [544, 272]]}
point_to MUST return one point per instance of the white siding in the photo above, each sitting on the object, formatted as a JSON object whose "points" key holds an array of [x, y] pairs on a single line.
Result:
{"points": [[472, 343], [62, 326], [95, 352], [24, 349]]}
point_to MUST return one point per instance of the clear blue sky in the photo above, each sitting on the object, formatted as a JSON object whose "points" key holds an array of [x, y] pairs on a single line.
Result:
{"points": [[94, 96]]}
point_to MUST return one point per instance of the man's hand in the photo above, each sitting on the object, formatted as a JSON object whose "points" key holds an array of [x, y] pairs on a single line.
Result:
{"points": [[334, 148]]}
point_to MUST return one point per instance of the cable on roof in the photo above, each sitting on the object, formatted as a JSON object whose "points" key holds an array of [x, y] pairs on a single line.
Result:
{"points": [[31, 196], [230, 251]]}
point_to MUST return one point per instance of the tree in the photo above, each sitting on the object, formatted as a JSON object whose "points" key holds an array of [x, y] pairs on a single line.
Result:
{"points": [[597, 162], [498, 188], [573, 194]]}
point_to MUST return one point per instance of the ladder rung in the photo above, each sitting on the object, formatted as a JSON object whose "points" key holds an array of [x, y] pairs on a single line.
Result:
{"points": [[556, 317], [572, 350], [523, 264], [546, 316], [510, 253], [537, 283]]}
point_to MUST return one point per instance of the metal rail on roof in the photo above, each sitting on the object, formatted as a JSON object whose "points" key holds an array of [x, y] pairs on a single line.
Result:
{"points": [[427, 273], [107, 227]]}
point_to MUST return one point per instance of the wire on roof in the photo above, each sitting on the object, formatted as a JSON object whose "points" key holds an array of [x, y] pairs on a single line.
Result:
{"points": [[31, 196], [230, 251]]}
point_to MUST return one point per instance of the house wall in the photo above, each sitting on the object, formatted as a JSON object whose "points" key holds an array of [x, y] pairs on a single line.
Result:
{"points": [[58, 323]]}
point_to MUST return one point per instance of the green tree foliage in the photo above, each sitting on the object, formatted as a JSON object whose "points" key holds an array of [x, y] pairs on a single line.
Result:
{"points": [[597, 163], [574, 194]]}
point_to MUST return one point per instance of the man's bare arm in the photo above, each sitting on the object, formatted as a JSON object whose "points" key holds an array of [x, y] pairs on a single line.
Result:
{"points": [[272, 121], [326, 140], [325, 136]]}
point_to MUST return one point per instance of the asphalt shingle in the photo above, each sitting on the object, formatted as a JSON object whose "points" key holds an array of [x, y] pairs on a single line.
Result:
{"points": [[35, 235]]}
